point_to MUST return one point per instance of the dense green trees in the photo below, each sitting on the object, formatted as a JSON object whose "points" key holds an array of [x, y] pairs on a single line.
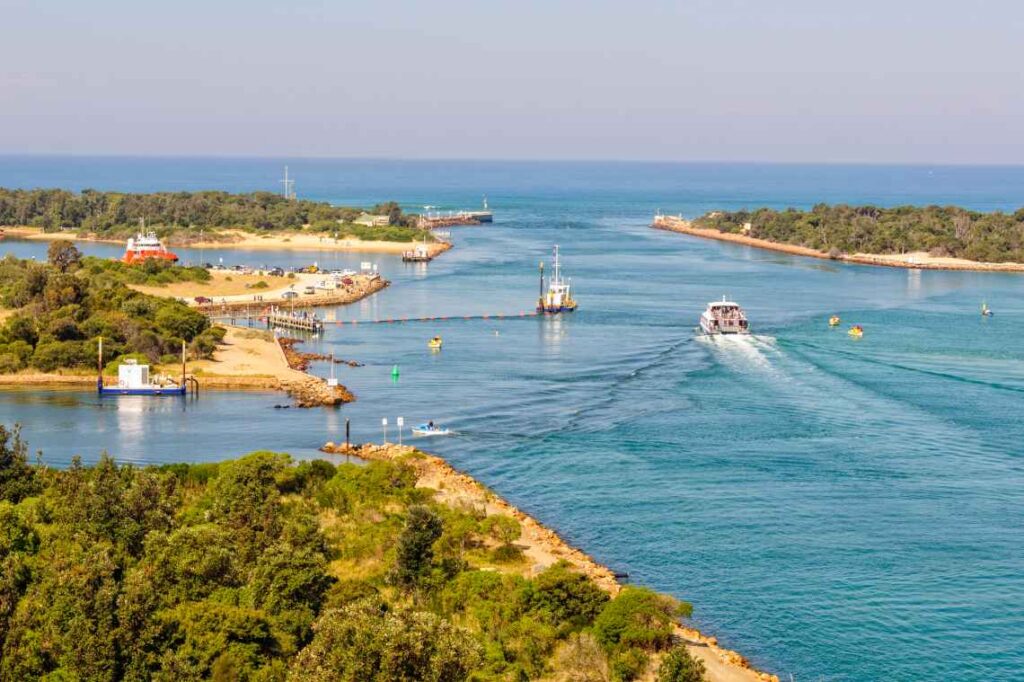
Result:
{"points": [[152, 272], [264, 569], [415, 546], [939, 230], [506, 531], [62, 308], [369, 641], [118, 213], [16, 476], [679, 666], [63, 255]]}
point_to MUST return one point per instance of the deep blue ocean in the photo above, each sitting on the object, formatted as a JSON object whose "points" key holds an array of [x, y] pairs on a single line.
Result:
{"points": [[836, 509]]}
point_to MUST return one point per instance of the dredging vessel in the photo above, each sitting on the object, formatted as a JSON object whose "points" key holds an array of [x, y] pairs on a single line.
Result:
{"points": [[558, 297], [724, 317], [135, 379]]}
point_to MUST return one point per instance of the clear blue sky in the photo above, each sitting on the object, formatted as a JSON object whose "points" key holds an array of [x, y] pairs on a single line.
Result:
{"points": [[772, 80]]}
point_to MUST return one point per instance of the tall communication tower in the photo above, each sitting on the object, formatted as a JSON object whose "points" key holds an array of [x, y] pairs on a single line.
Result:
{"points": [[289, 185]]}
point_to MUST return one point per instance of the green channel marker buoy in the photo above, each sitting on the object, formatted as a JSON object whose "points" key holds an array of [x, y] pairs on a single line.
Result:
{"points": [[394, 373]]}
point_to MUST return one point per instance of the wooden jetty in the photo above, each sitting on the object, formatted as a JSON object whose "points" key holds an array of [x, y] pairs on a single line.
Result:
{"points": [[307, 322]]}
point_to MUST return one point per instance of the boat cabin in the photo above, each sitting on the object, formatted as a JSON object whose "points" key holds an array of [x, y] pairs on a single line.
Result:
{"points": [[130, 374], [724, 317]]}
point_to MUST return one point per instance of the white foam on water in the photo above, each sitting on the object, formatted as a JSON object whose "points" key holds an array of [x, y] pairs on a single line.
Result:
{"points": [[742, 352]]}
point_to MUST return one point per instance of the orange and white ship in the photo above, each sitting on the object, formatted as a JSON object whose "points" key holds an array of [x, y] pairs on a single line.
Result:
{"points": [[145, 246]]}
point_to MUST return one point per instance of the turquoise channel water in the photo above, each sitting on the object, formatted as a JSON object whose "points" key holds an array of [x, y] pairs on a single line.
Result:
{"points": [[836, 509]]}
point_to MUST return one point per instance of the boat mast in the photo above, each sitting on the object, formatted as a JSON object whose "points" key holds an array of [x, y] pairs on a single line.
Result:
{"points": [[556, 277], [99, 366], [542, 282], [182, 362]]}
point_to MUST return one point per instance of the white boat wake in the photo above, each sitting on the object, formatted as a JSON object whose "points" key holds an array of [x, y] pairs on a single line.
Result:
{"points": [[742, 352]]}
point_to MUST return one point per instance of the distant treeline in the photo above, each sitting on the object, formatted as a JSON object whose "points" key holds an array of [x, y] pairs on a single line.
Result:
{"points": [[112, 213], [841, 229]]}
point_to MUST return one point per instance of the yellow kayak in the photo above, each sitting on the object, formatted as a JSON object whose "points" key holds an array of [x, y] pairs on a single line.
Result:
{"points": [[435, 343], [834, 321], [856, 331]]}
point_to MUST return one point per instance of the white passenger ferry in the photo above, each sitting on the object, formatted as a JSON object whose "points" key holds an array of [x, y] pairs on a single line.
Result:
{"points": [[724, 317]]}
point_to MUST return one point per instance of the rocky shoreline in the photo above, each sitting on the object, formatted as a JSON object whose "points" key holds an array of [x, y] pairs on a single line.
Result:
{"points": [[542, 546], [309, 390]]}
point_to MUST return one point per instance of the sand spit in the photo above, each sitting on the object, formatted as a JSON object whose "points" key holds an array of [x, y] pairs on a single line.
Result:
{"points": [[914, 261], [303, 241], [542, 546], [246, 360], [361, 286], [239, 239]]}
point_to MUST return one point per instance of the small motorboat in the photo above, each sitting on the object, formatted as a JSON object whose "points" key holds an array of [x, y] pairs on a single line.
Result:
{"points": [[435, 343], [430, 429], [985, 310], [834, 321], [856, 331]]}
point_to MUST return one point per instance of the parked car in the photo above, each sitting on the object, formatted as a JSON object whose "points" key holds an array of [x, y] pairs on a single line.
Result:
{"points": [[277, 272], [202, 300], [289, 294], [309, 291]]}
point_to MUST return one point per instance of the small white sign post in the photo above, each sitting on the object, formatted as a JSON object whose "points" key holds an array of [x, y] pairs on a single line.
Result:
{"points": [[401, 423], [384, 425]]}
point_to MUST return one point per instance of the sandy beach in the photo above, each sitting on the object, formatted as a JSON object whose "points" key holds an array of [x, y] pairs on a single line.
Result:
{"points": [[37, 234], [248, 359], [542, 546], [915, 260], [239, 239], [303, 241]]}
